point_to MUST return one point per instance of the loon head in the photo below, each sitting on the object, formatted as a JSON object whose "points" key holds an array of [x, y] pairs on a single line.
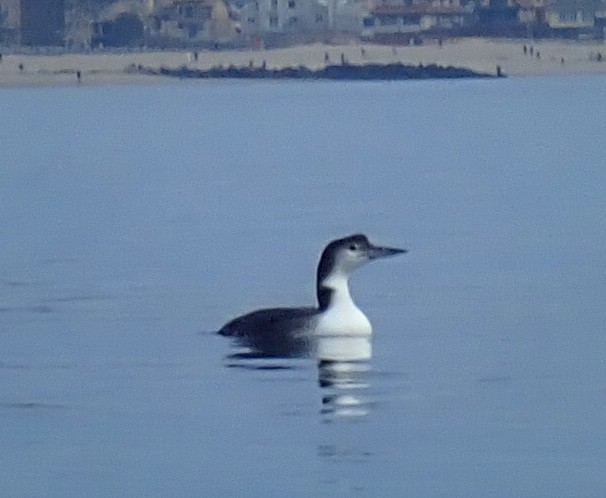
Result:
{"points": [[338, 261]]}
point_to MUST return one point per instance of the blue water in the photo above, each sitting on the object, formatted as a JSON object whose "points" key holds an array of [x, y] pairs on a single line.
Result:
{"points": [[134, 222]]}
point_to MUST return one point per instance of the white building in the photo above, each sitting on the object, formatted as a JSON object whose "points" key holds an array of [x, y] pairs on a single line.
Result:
{"points": [[573, 14], [399, 19], [261, 17]]}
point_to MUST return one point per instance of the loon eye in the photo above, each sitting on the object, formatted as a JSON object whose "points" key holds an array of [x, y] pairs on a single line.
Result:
{"points": [[353, 247]]}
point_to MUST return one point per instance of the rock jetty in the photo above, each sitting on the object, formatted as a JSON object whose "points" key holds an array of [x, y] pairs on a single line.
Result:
{"points": [[349, 72]]}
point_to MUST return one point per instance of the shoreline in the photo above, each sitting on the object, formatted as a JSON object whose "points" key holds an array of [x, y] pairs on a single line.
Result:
{"points": [[549, 57]]}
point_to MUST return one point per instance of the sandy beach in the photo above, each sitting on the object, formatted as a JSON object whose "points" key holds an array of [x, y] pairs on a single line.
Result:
{"points": [[548, 57]]}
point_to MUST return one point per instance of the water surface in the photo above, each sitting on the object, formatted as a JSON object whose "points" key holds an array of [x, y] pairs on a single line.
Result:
{"points": [[136, 221]]}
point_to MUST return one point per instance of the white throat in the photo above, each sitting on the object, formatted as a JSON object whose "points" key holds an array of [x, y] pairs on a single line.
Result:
{"points": [[342, 317]]}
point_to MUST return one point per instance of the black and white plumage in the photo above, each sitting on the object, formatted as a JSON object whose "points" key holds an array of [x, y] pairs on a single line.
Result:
{"points": [[277, 331]]}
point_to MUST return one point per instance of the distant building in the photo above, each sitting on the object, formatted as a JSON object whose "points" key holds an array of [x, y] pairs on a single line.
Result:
{"points": [[346, 16], [126, 30], [531, 11], [32, 22], [42, 22], [403, 20], [600, 19], [499, 18], [193, 22], [10, 22], [284, 17], [572, 18]]}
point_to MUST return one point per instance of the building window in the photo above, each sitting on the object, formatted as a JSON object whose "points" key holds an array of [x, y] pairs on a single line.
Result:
{"points": [[292, 21], [319, 18], [274, 4], [251, 20], [368, 22], [291, 4], [388, 20], [273, 21]]}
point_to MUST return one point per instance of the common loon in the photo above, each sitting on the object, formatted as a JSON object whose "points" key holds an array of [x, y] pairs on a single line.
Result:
{"points": [[336, 313]]}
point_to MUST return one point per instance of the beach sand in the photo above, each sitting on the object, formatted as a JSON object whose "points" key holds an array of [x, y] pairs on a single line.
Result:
{"points": [[548, 57]]}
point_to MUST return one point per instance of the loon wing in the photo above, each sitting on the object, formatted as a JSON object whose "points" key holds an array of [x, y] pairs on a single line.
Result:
{"points": [[273, 331], [269, 321]]}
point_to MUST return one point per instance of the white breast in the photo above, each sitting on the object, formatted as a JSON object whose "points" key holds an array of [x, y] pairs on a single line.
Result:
{"points": [[342, 317], [343, 320]]}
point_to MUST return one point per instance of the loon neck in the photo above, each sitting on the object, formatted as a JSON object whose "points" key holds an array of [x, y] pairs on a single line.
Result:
{"points": [[333, 291]]}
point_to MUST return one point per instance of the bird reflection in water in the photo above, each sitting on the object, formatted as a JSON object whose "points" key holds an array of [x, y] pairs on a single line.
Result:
{"points": [[343, 371], [343, 364]]}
